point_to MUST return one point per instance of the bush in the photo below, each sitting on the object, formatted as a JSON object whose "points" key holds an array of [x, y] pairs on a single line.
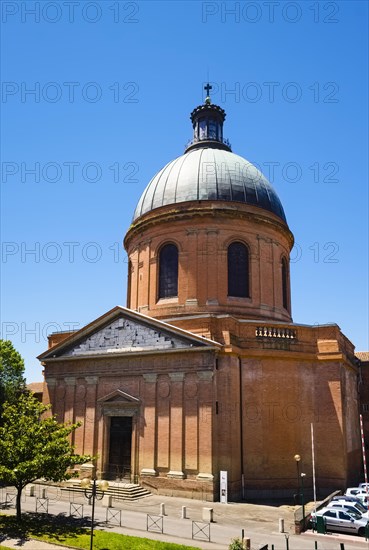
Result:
{"points": [[236, 544]]}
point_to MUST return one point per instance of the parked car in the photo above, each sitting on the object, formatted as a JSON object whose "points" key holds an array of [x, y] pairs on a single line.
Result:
{"points": [[363, 486], [350, 500], [341, 521], [359, 508], [356, 492]]}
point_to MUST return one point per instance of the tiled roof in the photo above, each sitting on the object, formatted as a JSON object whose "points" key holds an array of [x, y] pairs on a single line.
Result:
{"points": [[36, 387]]}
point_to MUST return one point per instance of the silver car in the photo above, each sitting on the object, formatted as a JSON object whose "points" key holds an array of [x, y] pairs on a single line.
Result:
{"points": [[355, 507], [341, 521], [356, 492]]}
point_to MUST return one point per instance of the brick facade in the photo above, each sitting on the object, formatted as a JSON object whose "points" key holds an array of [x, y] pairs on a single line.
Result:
{"points": [[198, 408], [180, 388]]}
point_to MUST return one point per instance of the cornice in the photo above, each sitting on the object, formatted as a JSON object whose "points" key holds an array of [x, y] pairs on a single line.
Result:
{"points": [[197, 209]]}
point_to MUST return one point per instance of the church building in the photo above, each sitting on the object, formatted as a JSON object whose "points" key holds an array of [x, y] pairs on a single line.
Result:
{"points": [[204, 370]]}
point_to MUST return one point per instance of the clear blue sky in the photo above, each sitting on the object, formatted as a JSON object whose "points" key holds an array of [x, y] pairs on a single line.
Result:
{"points": [[114, 83]]}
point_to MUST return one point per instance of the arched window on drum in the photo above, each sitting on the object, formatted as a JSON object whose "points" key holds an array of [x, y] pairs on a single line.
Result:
{"points": [[238, 270], [168, 271]]}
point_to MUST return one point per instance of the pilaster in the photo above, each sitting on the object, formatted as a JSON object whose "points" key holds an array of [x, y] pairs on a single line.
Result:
{"points": [[148, 439], [176, 426]]}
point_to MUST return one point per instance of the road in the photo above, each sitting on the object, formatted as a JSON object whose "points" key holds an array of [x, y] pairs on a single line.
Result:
{"points": [[260, 523]]}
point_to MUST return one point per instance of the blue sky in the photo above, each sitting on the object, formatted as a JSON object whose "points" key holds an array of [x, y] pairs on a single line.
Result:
{"points": [[113, 85]]}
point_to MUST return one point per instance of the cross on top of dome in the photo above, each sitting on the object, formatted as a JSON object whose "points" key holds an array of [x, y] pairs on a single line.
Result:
{"points": [[207, 88]]}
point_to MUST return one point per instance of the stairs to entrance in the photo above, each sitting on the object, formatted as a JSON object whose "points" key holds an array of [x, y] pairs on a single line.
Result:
{"points": [[118, 490], [127, 491]]}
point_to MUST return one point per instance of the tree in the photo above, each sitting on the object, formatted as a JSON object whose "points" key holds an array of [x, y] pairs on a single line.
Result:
{"points": [[34, 446], [11, 373]]}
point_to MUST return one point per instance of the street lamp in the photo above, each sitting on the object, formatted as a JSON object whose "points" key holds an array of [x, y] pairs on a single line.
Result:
{"points": [[302, 498], [298, 458], [91, 486]]}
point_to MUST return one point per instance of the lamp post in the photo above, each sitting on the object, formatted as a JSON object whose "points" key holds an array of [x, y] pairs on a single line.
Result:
{"points": [[91, 486], [303, 499], [298, 458]]}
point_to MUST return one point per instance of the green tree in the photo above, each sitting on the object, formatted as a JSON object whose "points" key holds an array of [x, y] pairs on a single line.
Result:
{"points": [[34, 445], [11, 373]]}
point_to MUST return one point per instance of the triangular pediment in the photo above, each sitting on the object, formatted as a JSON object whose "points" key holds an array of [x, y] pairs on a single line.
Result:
{"points": [[118, 397], [125, 331]]}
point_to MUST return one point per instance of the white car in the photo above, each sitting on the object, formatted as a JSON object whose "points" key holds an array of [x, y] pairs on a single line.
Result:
{"points": [[341, 521], [350, 500], [364, 486], [356, 492]]}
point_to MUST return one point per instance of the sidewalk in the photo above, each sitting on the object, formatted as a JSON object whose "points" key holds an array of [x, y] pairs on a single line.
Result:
{"points": [[260, 523]]}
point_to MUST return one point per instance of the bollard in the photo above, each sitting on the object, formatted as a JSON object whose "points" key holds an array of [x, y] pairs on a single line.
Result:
{"points": [[207, 515], [107, 501], [184, 511], [246, 543], [43, 493], [162, 509], [281, 525]]}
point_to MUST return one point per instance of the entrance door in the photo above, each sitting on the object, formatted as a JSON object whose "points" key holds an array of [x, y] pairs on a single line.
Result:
{"points": [[120, 447]]}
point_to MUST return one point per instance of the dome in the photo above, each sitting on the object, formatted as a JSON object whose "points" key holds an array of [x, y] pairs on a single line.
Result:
{"points": [[209, 174]]}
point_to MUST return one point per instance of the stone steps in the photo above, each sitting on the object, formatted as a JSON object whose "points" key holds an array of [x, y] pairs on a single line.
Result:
{"points": [[119, 491]]}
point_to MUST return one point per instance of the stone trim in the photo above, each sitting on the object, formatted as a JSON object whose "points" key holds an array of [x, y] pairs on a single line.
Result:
{"points": [[176, 376], [175, 474], [205, 374], [119, 410], [150, 377], [204, 477], [149, 472], [92, 379]]}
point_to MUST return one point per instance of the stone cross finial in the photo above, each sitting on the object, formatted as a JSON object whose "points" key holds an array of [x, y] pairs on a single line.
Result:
{"points": [[208, 88]]}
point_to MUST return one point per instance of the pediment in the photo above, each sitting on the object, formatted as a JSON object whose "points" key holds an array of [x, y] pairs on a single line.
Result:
{"points": [[126, 335], [122, 331], [118, 397], [119, 403]]}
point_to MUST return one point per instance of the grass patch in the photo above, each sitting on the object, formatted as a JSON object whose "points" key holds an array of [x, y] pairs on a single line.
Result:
{"points": [[74, 532]]}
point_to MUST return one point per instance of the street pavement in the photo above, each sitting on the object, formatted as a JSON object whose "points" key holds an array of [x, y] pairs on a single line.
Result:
{"points": [[261, 523]]}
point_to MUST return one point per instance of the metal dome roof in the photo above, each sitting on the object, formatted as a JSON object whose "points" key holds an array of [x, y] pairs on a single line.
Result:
{"points": [[209, 174]]}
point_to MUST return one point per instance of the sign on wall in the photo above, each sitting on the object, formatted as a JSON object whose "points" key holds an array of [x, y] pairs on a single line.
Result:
{"points": [[223, 486]]}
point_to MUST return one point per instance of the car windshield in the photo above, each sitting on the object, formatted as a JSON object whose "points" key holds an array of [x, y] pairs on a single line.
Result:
{"points": [[355, 515], [360, 507]]}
